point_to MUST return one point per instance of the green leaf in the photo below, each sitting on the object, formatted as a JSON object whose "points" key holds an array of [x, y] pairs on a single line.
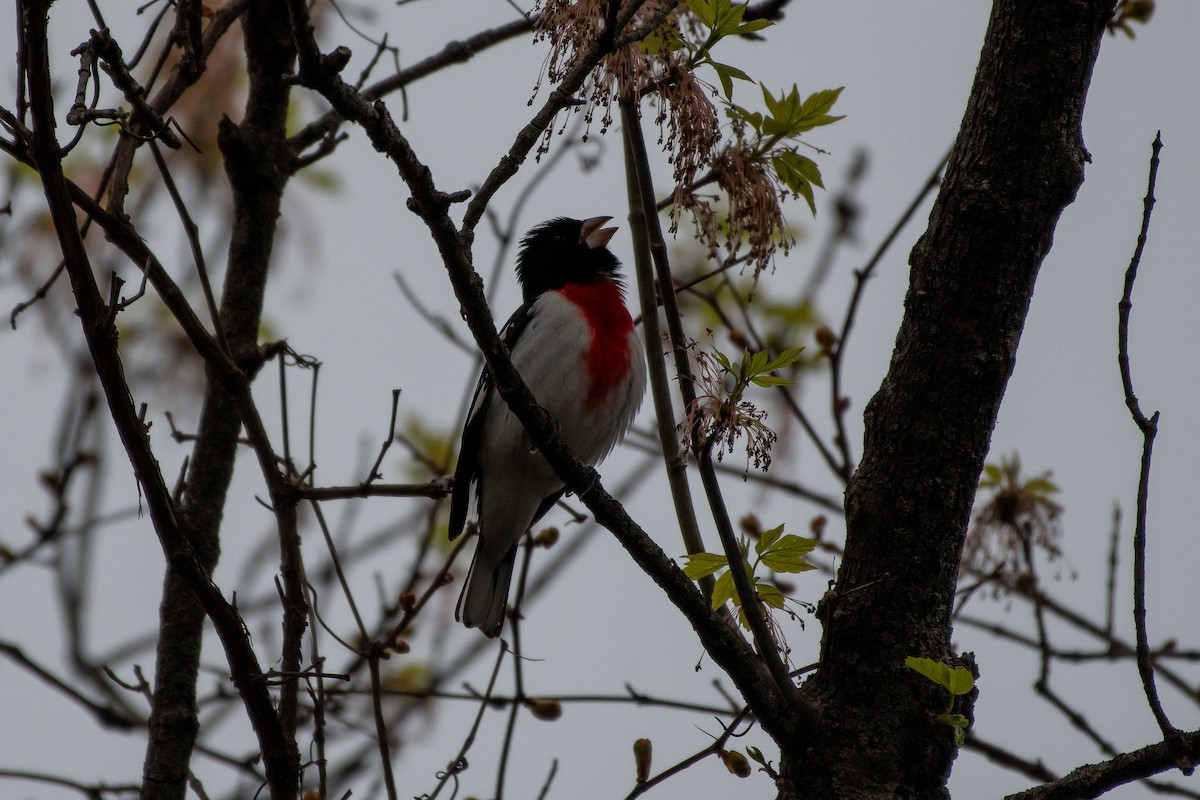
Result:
{"points": [[789, 117], [770, 380], [801, 167], [751, 118], [664, 40], [723, 361], [959, 723], [754, 25], [807, 168], [992, 477], [787, 555], [767, 539], [956, 680], [726, 83], [961, 681], [727, 72], [814, 111], [723, 590], [322, 179], [703, 564], [1041, 486], [805, 191], [773, 105], [935, 671], [820, 102], [785, 359], [756, 363], [798, 174], [704, 10], [759, 365], [785, 173], [770, 594], [776, 126], [728, 17]]}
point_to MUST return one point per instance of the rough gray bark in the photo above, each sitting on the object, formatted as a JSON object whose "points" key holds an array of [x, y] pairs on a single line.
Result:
{"points": [[1017, 163]]}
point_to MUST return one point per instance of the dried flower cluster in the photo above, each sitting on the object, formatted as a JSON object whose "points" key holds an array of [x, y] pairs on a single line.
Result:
{"points": [[693, 133], [755, 215], [687, 115], [572, 26], [1018, 521], [720, 415]]}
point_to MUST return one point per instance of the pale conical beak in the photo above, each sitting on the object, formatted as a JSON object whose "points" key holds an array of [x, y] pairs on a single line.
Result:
{"points": [[594, 234]]}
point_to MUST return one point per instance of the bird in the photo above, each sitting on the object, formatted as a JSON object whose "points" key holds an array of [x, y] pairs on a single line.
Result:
{"points": [[574, 344]]}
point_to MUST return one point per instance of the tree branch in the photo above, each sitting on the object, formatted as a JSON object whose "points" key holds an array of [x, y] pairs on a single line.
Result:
{"points": [[1149, 429], [648, 244], [1093, 780], [100, 332]]}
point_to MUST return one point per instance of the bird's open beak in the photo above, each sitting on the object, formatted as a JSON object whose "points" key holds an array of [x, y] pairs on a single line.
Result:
{"points": [[594, 234]]}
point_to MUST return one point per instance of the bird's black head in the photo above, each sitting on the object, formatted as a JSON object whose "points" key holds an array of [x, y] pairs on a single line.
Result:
{"points": [[564, 251]]}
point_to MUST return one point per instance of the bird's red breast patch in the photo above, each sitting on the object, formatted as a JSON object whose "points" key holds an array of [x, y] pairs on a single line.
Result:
{"points": [[608, 356]]}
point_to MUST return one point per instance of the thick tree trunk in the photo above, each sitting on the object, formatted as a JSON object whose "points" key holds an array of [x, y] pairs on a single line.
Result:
{"points": [[1017, 163]]}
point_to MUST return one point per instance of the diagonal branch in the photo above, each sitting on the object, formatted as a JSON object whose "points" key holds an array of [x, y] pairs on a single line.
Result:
{"points": [[456, 52], [1091, 780]]}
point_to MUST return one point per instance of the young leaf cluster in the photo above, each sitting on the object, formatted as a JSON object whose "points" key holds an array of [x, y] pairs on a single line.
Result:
{"points": [[1007, 476], [773, 550], [757, 368], [775, 135], [956, 681], [722, 18], [721, 414]]}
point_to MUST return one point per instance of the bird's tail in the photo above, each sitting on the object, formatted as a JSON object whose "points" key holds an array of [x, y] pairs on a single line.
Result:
{"points": [[485, 594]]}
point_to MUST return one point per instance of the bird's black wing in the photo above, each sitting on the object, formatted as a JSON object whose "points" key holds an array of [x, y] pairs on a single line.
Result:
{"points": [[467, 470]]}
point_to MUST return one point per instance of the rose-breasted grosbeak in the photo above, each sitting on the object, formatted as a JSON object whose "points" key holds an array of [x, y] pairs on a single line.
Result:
{"points": [[574, 344]]}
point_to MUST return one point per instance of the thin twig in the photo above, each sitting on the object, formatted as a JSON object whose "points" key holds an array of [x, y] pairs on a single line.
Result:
{"points": [[1005, 758], [459, 762], [192, 232], [768, 651], [1149, 428], [1110, 594], [92, 791], [374, 474], [716, 747], [438, 487], [518, 670], [106, 715], [337, 568], [381, 733]]}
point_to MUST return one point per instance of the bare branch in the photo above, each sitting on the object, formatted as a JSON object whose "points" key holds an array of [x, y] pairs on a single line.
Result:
{"points": [[1149, 428], [1094, 779], [106, 715]]}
